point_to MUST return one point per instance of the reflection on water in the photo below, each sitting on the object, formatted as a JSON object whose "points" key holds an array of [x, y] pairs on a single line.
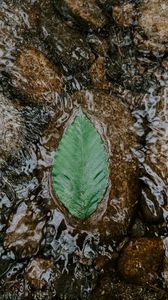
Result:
{"points": [[110, 57]]}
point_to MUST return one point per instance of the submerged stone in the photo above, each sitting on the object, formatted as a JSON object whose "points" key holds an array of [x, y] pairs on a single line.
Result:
{"points": [[141, 260], [153, 22], [86, 12], [114, 213], [35, 78], [116, 289]]}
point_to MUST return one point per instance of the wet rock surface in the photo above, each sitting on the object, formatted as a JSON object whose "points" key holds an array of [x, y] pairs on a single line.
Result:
{"points": [[35, 78], [141, 260], [110, 58], [153, 22]]}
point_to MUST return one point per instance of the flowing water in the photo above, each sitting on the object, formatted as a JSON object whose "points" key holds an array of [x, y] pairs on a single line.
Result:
{"points": [[113, 62]]}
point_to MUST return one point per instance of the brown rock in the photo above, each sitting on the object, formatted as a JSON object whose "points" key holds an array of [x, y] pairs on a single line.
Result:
{"points": [[141, 260], [115, 211], [12, 129], [86, 12], [123, 14], [25, 230], [39, 272], [119, 290], [35, 78], [98, 74], [153, 22]]}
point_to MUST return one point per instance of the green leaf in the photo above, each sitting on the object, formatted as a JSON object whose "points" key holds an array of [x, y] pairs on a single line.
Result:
{"points": [[80, 168]]}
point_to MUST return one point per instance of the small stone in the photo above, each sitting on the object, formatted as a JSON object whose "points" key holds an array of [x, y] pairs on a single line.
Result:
{"points": [[123, 14], [25, 230], [141, 260], [97, 73], [86, 12], [35, 78], [12, 129], [38, 272], [153, 22], [67, 46]]}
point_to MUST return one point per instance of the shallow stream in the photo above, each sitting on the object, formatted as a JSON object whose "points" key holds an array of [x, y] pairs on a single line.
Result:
{"points": [[110, 59]]}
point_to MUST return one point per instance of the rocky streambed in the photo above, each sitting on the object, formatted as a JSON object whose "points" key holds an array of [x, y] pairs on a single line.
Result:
{"points": [[108, 59]]}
